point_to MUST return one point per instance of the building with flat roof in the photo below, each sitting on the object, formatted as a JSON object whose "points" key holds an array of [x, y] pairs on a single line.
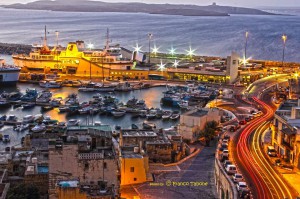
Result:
{"points": [[192, 122], [286, 132], [87, 155]]}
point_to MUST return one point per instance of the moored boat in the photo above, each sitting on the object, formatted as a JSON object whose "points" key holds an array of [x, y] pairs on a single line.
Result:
{"points": [[39, 128], [73, 122], [9, 75], [50, 84], [148, 125], [118, 113]]}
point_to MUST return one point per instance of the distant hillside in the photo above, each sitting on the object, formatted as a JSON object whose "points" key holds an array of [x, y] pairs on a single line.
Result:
{"points": [[169, 9]]}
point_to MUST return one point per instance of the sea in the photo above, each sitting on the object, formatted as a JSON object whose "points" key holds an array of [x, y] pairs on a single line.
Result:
{"points": [[215, 36], [211, 36]]}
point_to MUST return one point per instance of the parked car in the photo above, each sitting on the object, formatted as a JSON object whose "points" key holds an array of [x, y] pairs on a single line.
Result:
{"points": [[223, 146], [271, 151], [225, 153], [227, 137], [248, 119], [226, 162], [241, 186], [237, 178], [243, 122], [245, 194], [231, 169]]}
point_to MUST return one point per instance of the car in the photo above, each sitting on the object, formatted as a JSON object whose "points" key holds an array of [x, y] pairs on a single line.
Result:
{"points": [[243, 122], [271, 151], [226, 162], [245, 194], [231, 169], [237, 178], [225, 141], [223, 146], [225, 153], [227, 137], [241, 186], [247, 119]]}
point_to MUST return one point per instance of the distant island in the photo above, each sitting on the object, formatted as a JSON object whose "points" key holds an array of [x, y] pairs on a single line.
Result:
{"points": [[167, 9]]}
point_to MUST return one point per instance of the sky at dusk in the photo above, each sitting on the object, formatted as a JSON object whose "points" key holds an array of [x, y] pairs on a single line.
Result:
{"points": [[246, 3]]}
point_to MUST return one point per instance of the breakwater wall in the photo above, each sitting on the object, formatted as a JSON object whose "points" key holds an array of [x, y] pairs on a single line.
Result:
{"points": [[9, 49]]}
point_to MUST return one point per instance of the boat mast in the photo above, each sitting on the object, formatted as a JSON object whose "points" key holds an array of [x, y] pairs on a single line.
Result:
{"points": [[107, 40], [45, 37]]}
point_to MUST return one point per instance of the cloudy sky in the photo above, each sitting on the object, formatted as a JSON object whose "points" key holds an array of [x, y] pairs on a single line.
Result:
{"points": [[246, 3]]}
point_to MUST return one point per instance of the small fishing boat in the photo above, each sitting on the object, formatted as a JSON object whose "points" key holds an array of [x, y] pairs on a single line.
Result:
{"points": [[46, 108], [50, 84], [73, 122], [6, 138], [143, 113], [38, 118], [11, 119], [28, 106], [3, 118], [118, 113], [166, 115], [175, 115], [21, 127], [152, 114], [39, 128], [134, 126], [64, 109], [28, 119], [148, 125]]}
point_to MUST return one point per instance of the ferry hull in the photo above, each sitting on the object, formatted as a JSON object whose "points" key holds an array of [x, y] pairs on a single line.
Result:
{"points": [[9, 78]]}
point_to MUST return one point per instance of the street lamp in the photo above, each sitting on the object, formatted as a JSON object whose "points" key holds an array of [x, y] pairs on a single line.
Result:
{"points": [[90, 46], [155, 50], [172, 51], [175, 64], [190, 52], [284, 38], [150, 35], [246, 44], [56, 33]]}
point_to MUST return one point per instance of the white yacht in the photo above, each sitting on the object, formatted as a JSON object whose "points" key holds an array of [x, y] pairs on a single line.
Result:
{"points": [[8, 74]]}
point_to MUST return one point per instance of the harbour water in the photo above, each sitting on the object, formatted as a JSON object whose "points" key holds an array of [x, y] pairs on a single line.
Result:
{"points": [[208, 35], [151, 96]]}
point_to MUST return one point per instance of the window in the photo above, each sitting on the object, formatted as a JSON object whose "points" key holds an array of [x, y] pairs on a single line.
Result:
{"points": [[131, 169], [134, 179], [86, 165], [104, 165]]}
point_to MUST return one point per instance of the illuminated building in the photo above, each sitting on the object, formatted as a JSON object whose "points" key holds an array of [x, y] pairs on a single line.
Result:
{"points": [[286, 132]]}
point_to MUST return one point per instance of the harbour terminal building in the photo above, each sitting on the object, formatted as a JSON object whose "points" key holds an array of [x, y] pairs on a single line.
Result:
{"points": [[116, 63]]}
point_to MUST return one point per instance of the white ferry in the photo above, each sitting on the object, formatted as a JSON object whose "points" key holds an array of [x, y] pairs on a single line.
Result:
{"points": [[8, 74]]}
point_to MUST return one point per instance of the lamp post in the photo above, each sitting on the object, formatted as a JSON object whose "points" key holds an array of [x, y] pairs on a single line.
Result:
{"points": [[284, 38], [246, 43], [90, 46], [150, 35], [56, 33]]}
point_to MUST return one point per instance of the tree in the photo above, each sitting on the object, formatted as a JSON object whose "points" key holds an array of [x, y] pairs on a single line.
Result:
{"points": [[23, 191], [209, 131]]}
